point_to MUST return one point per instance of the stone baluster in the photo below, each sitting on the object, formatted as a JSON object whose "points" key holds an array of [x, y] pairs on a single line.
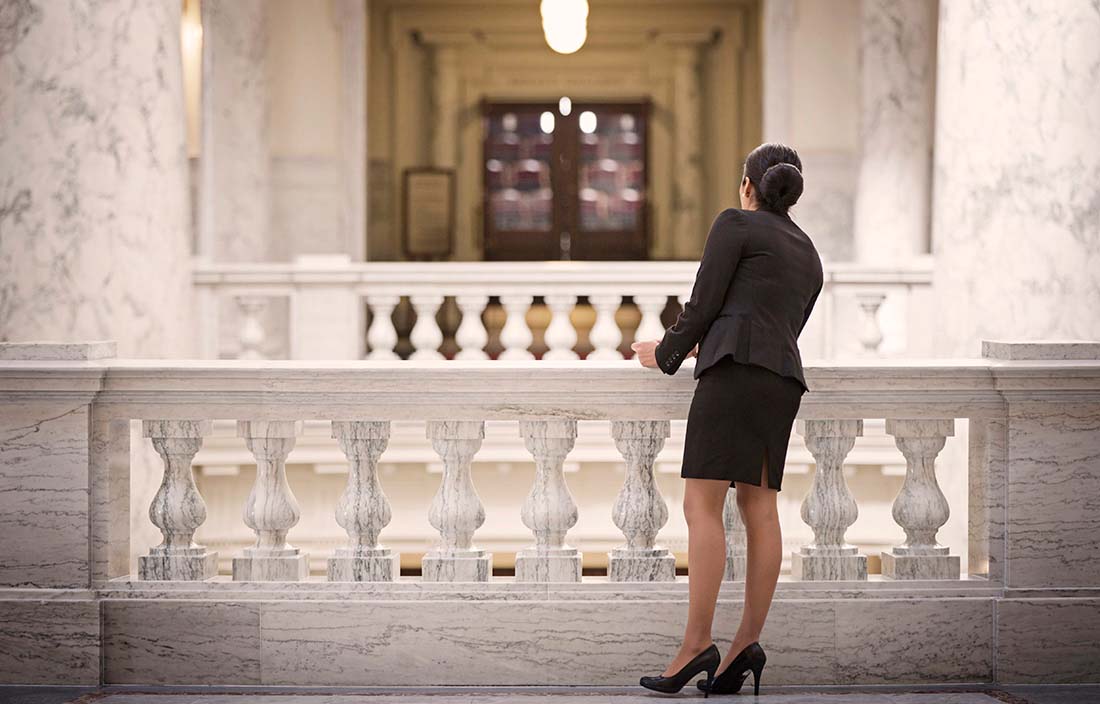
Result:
{"points": [[736, 539], [870, 332], [516, 335], [426, 337], [549, 510], [829, 508], [560, 335], [362, 509], [471, 336], [605, 335], [382, 335], [920, 507], [640, 510], [271, 509], [650, 327], [456, 510], [250, 334], [177, 509]]}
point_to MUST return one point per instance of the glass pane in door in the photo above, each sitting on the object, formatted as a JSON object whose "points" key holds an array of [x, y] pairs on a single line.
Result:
{"points": [[517, 170], [612, 170]]}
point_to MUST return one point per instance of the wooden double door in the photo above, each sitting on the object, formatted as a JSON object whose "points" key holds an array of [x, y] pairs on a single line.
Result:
{"points": [[565, 181]]}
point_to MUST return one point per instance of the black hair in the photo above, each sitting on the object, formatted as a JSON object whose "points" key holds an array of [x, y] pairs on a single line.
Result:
{"points": [[776, 172]]}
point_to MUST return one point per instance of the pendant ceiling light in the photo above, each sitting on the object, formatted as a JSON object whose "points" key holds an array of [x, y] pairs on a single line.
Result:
{"points": [[565, 24]]}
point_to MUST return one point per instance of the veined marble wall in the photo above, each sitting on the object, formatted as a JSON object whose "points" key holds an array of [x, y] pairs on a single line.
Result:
{"points": [[897, 79], [94, 211], [1016, 208]]}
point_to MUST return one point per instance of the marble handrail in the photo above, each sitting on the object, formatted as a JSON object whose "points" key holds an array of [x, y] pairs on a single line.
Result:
{"points": [[480, 390], [176, 399]]}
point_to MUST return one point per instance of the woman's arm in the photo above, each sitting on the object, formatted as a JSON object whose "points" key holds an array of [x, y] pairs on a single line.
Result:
{"points": [[721, 253], [809, 309]]}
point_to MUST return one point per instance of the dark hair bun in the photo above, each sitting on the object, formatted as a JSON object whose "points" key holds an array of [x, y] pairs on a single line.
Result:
{"points": [[776, 172], [781, 186]]}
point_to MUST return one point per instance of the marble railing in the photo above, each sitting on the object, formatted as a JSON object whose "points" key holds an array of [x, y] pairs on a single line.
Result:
{"points": [[176, 402], [1024, 602], [321, 302]]}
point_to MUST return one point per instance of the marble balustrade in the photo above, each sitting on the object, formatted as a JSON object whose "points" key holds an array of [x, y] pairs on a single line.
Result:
{"points": [[865, 309], [270, 401], [1033, 410]]}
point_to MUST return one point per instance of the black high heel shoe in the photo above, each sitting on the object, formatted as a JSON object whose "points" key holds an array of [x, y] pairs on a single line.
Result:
{"points": [[751, 658], [708, 660]]}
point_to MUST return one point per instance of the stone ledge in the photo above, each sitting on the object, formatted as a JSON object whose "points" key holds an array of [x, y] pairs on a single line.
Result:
{"points": [[57, 351], [1041, 350], [316, 588]]}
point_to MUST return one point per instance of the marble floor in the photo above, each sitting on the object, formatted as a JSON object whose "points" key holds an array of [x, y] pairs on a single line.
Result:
{"points": [[1004, 694]]}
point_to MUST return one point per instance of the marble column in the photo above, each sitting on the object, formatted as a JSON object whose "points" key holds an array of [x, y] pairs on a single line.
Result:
{"points": [[897, 80], [445, 87], [94, 205], [234, 189], [920, 508], [829, 508], [549, 510], [777, 30], [234, 192], [177, 509], [95, 212], [687, 203], [1017, 172], [354, 22], [451, 103]]}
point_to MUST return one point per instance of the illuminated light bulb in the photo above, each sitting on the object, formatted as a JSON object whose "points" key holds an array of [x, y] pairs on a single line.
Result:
{"points": [[564, 24], [588, 122], [546, 122], [565, 105]]}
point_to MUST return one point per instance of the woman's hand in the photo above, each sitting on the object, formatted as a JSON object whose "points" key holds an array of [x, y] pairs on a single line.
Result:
{"points": [[647, 355], [645, 352]]}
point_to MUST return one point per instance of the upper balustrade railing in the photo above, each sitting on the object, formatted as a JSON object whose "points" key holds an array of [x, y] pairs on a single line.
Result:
{"points": [[66, 422], [867, 309]]}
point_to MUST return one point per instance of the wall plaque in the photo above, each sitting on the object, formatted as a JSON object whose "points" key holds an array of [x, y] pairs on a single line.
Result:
{"points": [[429, 202]]}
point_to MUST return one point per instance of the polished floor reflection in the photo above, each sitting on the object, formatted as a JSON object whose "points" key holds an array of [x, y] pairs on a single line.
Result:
{"points": [[1005, 694]]}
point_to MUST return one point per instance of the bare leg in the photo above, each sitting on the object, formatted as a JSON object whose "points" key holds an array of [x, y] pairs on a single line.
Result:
{"points": [[703, 503], [765, 557]]}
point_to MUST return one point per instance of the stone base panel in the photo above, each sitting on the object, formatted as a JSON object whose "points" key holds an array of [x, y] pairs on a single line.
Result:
{"points": [[233, 634]]}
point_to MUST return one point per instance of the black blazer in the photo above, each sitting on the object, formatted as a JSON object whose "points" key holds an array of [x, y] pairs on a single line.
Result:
{"points": [[757, 282]]}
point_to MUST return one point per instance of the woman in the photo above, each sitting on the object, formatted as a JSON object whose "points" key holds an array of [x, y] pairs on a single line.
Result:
{"points": [[757, 282]]}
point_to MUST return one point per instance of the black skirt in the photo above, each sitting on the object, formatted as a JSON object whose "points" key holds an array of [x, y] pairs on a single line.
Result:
{"points": [[739, 414]]}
